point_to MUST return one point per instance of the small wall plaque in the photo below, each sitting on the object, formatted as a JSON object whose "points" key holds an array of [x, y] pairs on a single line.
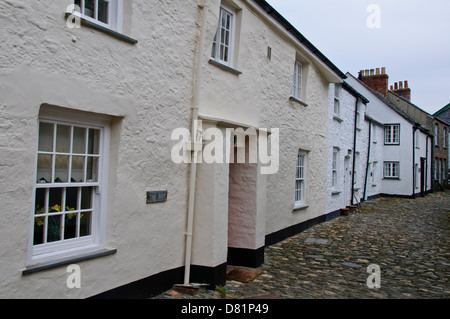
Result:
{"points": [[156, 197]]}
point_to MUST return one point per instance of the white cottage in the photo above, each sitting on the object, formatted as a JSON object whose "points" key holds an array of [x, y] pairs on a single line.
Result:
{"points": [[347, 147], [400, 157], [90, 97]]}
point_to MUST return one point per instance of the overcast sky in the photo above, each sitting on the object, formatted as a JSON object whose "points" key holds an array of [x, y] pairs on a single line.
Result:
{"points": [[411, 39]]}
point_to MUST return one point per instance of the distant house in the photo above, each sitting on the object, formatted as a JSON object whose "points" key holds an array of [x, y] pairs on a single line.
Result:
{"points": [[347, 147], [90, 100], [440, 153], [443, 142], [403, 147]]}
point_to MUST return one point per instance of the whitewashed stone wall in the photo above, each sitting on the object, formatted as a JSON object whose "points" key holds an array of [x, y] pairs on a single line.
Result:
{"points": [[146, 89], [340, 135]]}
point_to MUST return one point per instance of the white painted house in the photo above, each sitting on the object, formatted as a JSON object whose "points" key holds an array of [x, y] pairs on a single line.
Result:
{"points": [[347, 147], [89, 102], [400, 157]]}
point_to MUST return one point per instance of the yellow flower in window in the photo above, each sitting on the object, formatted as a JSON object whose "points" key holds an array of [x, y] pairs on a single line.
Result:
{"points": [[55, 208]]}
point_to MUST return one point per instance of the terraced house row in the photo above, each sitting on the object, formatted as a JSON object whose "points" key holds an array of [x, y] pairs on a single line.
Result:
{"points": [[94, 173]]}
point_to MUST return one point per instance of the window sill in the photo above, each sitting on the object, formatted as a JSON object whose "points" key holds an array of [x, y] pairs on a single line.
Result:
{"points": [[297, 101], [337, 118], [300, 206], [394, 178], [335, 192], [93, 25], [67, 261], [224, 67]]}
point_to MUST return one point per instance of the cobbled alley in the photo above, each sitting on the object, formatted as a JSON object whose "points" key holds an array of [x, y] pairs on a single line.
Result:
{"points": [[407, 239]]}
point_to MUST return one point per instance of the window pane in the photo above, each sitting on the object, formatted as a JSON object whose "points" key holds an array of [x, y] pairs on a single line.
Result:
{"points": [[94, 141], [85, 224], [70, 225], [54, 228], [55, 200], [89, 8], [63, 139], [39, 201], [44, 169], [103, 8], [79, 140], [77, 169], [62, 169], [71, 198], [45, 137], [38, 235], [86, 197], [92, 169]]}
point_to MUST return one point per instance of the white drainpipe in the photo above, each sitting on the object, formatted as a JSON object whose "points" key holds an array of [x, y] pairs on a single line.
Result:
{"points": [[194, 154]]}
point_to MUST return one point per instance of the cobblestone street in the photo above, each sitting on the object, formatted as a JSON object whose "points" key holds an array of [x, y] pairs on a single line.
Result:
{"points": [[406, 238]]}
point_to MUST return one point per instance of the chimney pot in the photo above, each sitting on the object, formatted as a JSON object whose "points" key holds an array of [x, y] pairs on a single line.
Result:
{"points": [[372, 72], [366, 72], [406, 84], [392, 88], [396, 86], [401, 85], [383, 70], [378, 71]]}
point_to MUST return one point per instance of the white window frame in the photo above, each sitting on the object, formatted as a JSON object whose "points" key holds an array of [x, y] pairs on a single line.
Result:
{"points": [[220, 42], [337, 106], [69, 248], [115, 14], [334, 168], [296, 91], [300, 181], [390, 136], [391, 170]]}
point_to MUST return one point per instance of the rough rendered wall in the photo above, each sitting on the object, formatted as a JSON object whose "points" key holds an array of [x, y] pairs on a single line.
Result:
{"points": [[260, 97], [340, 135], [146, 87]]}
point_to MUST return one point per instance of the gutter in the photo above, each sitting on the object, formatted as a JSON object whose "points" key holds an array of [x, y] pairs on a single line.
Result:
{"points": [[415, 127], [368, 160], [354, 150]]}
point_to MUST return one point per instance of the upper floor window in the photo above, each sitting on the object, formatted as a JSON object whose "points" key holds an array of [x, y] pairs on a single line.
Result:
{"points": [[436, 134], [106, 13], [337, 107], [392, 134], [297, 82], [223, 44]]}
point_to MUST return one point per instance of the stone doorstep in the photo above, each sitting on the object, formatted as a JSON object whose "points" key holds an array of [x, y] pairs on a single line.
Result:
{"points": [[242, 274]]}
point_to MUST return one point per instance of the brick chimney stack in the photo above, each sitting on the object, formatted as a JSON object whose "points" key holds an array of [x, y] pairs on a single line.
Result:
{"points": [[377, 80], [402, 90]]}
